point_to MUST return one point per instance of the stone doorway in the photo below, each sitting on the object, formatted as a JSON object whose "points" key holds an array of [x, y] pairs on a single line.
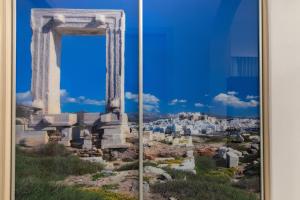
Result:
{"points": [[48, 26]]}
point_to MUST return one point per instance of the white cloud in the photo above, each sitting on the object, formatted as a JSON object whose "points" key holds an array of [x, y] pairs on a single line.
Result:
{"points": [[24, 98], [63, 93], [151, 102], [151, 108], [70, 100], [131, 96], [150, 99], [230, 99], [147, 98], [177, 101], [251, 97], [232, 93], [94, 102], [199, 105], [66, 98]]}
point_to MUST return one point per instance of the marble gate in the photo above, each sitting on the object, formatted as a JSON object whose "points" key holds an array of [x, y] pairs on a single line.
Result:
{"points": [[48, 26]]}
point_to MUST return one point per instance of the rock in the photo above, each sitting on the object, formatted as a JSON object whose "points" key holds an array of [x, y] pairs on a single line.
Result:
{"points": [[240, 138], [255, 146], [32, 138], [157, 171], [107, 172], [146, 187], [255, 162], [224, 150], [190, 154], [206, 151], [232, 159], [238, 153], [93, 159], [253, 151], [114, 155], [255, 138], [99, 152], [87, 143], [149, 157], [129, 155], [175, 141], [187, 165]]}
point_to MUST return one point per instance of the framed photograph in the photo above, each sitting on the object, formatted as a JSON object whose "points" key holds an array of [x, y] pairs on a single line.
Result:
{"points": [[126, 100]]}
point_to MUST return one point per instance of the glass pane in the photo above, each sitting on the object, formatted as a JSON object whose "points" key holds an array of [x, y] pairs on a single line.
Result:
{"points": [[76, 123], [201, 101]]}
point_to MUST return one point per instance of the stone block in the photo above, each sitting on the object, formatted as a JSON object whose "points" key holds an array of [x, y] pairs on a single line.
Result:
{"points": [[109, 117], [175, 141], [87, 143], [147, 136], [66, 136], [63, 119], [32, 138], [88, 118], [232, 159], [115, 137]]}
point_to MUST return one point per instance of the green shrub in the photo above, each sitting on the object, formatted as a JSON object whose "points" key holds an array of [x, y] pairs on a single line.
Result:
{"points": [[210, 183], [223, 173], [110, 187], [54, 168], [37, 171], [216, 139], [37, 189], [249, 183], [52, 149], [201, 189], [237, 146], [204, 164], [101, 175]]}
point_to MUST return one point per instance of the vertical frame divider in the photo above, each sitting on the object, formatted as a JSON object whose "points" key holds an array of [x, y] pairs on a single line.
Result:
{"points": [[141, 146]]}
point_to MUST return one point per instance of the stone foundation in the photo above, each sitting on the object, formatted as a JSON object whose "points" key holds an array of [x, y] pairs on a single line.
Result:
{"points": [[32, 138]]}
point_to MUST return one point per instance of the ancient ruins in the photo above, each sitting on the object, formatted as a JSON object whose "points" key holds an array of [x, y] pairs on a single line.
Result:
{"points": [[107, 130]]}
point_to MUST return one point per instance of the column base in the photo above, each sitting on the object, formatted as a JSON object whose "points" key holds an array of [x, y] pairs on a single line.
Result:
{"points": [[114, 136]]}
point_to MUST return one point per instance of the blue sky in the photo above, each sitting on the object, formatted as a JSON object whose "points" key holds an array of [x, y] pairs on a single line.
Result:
{"points": [[188, 51]]}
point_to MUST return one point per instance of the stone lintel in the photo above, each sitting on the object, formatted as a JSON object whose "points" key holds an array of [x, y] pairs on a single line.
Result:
{"points": [[54, 120]]}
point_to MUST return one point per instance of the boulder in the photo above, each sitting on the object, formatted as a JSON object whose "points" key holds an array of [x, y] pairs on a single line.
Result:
{"points": [[32, 138], [255, 146], [157, 171], [232, 159]]}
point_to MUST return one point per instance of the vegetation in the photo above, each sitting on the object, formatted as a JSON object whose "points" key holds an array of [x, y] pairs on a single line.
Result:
{"points": [[237, 146], [110, 187], [129, 166], [178, 160], [135, 165], [101, 175], [38, 170], [210, 182], [216, 139]]}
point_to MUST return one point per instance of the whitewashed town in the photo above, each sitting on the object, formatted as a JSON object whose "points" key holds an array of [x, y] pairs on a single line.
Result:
{"points": [[200, 124]]}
